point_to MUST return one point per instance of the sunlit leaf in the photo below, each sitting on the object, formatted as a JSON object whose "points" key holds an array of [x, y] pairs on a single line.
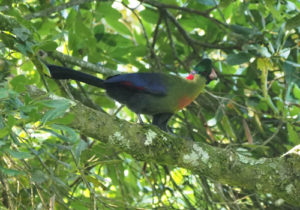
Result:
{"points": [[11, 172], [19, 154], [293, 135], [296, 91]]}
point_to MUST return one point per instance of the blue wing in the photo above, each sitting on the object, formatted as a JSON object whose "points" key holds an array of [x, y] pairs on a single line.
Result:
{"points": [[145, 82]]}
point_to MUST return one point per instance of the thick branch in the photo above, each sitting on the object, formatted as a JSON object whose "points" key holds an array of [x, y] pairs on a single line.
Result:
{"points": [[279, 176], [83, 64]]}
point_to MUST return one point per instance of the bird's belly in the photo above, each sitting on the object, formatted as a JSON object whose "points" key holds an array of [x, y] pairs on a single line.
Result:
{"points": [[184, 101], [149, 104], [140, 102], [146, 103]]}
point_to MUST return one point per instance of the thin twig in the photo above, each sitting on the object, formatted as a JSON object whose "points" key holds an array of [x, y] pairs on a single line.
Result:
{"points": [[186, 9], [48, 11], [142, 25], [221, 14], [193, 42], [173, 45], [154, 41], [185, 35], [274, 134]]}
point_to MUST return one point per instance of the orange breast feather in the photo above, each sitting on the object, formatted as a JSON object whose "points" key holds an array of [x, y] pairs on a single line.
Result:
{"points": [[183, 102]]}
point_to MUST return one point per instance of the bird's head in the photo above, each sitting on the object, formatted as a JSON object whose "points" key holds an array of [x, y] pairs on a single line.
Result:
{"points": [[205, 69]]}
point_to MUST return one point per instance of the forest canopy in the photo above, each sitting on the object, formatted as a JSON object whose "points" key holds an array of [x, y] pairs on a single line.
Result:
{"points": [[67, 145]]}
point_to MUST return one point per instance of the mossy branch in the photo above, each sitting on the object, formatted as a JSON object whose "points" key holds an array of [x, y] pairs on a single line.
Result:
{"points": [[279, 176]]}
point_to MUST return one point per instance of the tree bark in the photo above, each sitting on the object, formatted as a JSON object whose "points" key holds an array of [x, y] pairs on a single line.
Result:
{"points": [[278, 176]]}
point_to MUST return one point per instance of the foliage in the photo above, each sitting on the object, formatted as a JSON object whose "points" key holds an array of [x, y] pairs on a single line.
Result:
{"points": [[253, 108]]}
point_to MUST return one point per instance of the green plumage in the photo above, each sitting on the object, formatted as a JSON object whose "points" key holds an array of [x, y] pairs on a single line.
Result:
{"points": [[180, 93], [156, 94]]}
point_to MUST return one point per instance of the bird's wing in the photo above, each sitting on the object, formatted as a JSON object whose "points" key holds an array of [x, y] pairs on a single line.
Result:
{"points": [[145, 82]]}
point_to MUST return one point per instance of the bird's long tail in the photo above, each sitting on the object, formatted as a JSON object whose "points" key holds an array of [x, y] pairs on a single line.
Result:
{"points": [[59, 72]]}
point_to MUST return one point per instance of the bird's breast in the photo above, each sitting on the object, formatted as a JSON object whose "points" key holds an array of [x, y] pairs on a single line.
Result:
{"points": [[184, 101]]}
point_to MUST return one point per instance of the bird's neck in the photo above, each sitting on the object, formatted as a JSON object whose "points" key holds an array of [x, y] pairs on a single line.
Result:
{"points": [[195, 85], [196, 80]]}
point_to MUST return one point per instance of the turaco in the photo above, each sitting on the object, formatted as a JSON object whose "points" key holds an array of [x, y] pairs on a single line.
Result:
{"points": [[156, 94]]}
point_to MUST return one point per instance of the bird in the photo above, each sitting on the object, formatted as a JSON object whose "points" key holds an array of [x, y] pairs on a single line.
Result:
{"points": [[157, 94]]}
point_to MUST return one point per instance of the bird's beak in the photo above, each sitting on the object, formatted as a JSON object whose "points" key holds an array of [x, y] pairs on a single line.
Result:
{"points": [[213, 75]]}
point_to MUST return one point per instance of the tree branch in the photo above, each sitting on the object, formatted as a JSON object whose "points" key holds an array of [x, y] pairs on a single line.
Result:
{"points": [[185, 9], [279, 176], [193, 42], [185, 35], [83, 64], [48, 11]]}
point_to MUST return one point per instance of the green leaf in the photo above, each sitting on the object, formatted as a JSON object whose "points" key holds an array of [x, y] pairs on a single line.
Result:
{"points": [[80, 147], [99, 32], [39, 177], [48, 45], [18, 154], [55, 103], [227, 127], [65, 120], [54, 113], [68, 131], [81, 29], [4, 132], [11, 172], [105, 9], [69, 134], [22, 48], [208, 2], [96, 182], [237, 59], [294, 111], [285, 53], [296, 91], [263, 51], [292, 134], [264, 64], [293, 22], [263, 105], [241, 30], [118, 26], [225, 4], [79, 204], [60, 107], [19, 82], [149, 15], [48, 28], [2, 143], [22, 33], [3, 93]]}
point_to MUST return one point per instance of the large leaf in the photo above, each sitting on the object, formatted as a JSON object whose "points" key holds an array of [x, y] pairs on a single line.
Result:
{"points": [[292, 133], [11, 172], [149, 15], [59, 109], [293, 22], [208, 2], [236, 59]]}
